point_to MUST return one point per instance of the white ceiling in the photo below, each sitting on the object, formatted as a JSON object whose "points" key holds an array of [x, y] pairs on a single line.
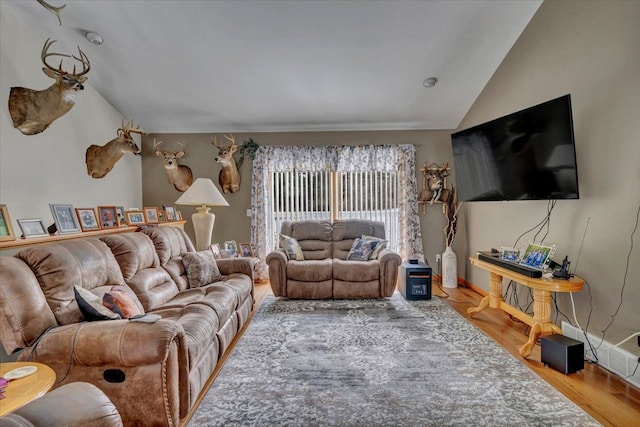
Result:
{"points": [[249, 66]]}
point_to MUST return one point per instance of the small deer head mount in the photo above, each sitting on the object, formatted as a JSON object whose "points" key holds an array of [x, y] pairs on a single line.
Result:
{"points": [[180, 176], [101, 159], [229, 177], [32, 111]]}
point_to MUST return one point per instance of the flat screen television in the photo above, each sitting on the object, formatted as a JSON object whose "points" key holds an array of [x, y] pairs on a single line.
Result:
{"points": [[526, 155]]}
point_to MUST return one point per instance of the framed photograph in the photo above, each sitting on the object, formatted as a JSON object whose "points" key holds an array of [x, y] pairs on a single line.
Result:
{"points": [[162, 216], [6, 230], [224, 254], [108, 216], [215, 250], [179, 216], [171, 212], [232, 247], [246, 250], [135, 217], [151, 215], [32, 228], [510, 254], [537, 255], [88, 220], [122, 221], [65, 218]]}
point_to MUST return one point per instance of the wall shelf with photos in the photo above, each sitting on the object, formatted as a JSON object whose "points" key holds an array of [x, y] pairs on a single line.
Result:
{"points": [[58, 237]]}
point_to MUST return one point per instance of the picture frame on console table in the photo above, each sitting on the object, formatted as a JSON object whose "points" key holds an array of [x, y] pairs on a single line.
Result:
{"points": [[538, 255], [6, 230], [65, 219], [108, 217], [33, 227], [246, 250], [135, 218], [88, 220]]}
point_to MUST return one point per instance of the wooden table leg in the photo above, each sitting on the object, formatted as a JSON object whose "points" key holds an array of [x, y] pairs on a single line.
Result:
{"points": [[526, 349], [494, 298], [542, 317]]}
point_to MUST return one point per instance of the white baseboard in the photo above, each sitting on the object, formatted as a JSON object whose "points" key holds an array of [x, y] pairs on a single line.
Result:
{"points": [[613, 359]]}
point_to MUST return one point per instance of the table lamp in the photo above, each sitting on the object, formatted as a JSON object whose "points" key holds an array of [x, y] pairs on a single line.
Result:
{"points": [[202, 193]]}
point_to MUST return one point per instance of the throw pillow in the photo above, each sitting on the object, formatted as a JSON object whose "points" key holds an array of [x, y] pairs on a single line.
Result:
{"points": [[91, 306], [120, 303], [382, 244], [361, 249], [201, 267], [291, 247]]}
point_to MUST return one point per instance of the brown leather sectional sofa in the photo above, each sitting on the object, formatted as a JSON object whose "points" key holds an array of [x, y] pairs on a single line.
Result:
{"points": [[325, 271], [152, 372]]}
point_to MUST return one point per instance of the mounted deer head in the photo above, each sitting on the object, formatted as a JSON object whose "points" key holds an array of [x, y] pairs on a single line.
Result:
{"points": [[180, 176], [101, 159], [32, 111], [229, 177]]}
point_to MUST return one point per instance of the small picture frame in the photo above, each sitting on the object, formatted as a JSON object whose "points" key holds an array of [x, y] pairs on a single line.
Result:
{"points": [[215, 250], [232, 247], [6, 230], [32, 228], [122, 221], [510, 254], [224, 254], [246, 250], [171, 212], [65, 219], [88, 220], [538, 255], [108, 217], [162, 216], [151, 215], [179, 216], [135, 217]]}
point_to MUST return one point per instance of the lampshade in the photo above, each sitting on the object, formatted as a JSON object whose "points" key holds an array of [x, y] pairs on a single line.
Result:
{"points": [[202, 192]]}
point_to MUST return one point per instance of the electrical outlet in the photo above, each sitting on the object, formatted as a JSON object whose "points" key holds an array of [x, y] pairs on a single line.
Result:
{"points": [[439, 258]]}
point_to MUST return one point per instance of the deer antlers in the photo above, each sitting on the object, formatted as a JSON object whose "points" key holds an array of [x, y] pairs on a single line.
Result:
{"points": [[231, 138], [130, 128], [86, 65], [55, 10]]}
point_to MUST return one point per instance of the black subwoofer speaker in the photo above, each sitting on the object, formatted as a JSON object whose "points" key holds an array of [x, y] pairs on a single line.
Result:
{"points": [[562, 353]]}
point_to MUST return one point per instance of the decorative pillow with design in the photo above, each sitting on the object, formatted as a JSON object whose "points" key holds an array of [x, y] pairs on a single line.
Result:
{"points": [[382, 244], [362, 249], [120, 303], [91, 306], [201, 267], [291, 248]]}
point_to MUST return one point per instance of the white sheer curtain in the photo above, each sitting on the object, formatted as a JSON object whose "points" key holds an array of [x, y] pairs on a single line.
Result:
{"points": [[384, 158]]}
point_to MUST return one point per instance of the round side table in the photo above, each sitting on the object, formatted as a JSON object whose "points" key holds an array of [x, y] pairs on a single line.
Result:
{"points": [[21, 391]]}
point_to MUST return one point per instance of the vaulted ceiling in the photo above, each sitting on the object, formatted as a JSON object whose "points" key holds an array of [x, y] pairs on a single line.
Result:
{"points": [[249, 66]]}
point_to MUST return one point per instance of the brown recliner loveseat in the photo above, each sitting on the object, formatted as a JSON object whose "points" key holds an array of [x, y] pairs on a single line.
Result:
{"points": [[152, 372], [325, 271]]}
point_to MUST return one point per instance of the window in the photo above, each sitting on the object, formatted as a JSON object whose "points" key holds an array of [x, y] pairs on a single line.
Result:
{"points": [[336, 195]]}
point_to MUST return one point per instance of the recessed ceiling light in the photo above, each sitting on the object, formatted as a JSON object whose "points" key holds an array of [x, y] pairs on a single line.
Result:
{"points": [[94, 38], [430, 82]]}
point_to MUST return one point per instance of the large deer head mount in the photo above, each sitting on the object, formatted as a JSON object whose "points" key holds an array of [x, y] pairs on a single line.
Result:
{"points": [[180, 176], [229, 177], [32, 111], [101, 159]]}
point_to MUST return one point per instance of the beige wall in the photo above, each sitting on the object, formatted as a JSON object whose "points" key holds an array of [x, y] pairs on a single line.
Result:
{"points": [[50, 167], [232, 222], [590, 50]]}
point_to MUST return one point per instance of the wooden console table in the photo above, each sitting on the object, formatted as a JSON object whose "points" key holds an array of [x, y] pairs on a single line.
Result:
{"points": [[540, 323], [21, 391]]}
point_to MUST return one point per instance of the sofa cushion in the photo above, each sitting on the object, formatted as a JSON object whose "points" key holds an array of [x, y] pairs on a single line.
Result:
{"points": [[361, 249], [171, 243], [356, 271], [91, 306], [346, 230], [310, 270], [291, 247], [201, 268], [25, 313]]}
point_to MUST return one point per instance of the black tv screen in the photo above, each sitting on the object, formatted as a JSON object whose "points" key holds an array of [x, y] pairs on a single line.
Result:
{"points": [[527, 155]]}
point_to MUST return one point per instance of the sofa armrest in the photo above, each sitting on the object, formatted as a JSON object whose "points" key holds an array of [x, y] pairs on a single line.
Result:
{"points": [[389, 263], [107, 343], [236, 265], [277, 262]]}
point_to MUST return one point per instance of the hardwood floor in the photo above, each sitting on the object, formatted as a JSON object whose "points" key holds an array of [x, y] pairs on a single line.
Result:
{"points": [[607, 398]]}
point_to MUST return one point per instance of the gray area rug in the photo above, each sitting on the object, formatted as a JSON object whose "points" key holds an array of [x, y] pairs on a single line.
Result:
{"points": [[376, 363]]}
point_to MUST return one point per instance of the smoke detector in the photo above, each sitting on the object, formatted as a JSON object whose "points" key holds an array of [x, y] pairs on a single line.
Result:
{"points": [[430, 82], [94, 37]]}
